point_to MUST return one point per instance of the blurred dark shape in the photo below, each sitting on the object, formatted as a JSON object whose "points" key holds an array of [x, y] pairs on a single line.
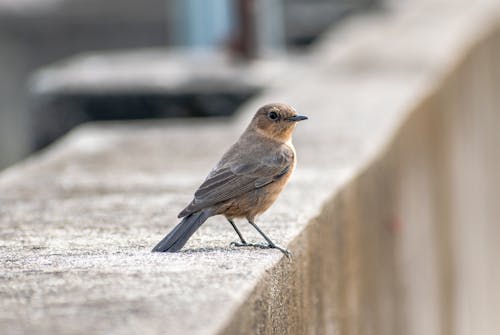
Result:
{"points": [[58, 115], [153, 83], [242, 43], [305, 20]]}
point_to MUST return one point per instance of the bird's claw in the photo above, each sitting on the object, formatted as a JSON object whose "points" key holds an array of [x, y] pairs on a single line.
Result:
{"points": [[286, 252], [245, 244], [238, 244]]}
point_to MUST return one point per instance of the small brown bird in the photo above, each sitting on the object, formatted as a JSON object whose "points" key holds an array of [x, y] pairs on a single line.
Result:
{"points": [[246, 181]]}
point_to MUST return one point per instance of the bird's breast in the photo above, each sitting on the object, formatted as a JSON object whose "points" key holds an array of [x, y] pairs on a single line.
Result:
{"points": [[257, 201]]}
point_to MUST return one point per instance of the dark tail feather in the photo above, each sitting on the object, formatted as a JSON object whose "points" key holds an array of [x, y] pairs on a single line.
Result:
{"points": [[176, 239]]}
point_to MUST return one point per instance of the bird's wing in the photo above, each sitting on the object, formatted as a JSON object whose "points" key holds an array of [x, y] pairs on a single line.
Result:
{"points": [[236, 178]]}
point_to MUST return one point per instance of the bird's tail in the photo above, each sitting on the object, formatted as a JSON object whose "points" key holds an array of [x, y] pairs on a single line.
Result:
{"points": [[176, 239]]}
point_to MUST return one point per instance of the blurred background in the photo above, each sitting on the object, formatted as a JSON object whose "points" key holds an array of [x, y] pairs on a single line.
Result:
{"points": [[65, 62]]}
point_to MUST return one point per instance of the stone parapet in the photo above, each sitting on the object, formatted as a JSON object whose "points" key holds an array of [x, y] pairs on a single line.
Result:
{"points": [[391, 213]]}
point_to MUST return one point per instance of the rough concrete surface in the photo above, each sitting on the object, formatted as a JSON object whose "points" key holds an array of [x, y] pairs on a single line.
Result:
{"points": [[78, 221]]}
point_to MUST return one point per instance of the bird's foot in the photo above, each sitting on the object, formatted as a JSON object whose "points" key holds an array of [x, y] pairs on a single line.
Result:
{"points": [[286, 252], [246, 244]]}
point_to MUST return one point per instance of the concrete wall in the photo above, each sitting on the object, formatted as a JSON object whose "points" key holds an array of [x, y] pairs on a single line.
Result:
{"points": [[391, 214], [447, 159], [410, 245]]}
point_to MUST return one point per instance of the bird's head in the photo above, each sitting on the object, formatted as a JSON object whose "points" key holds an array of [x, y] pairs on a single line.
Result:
{"points": [[276, 121]]}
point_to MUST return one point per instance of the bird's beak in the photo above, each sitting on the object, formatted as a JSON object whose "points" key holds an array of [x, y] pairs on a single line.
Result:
{"points": [[297, 118]]}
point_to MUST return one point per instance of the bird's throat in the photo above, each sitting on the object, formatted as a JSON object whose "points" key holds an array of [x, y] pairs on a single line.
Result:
{"points": [[278, 136]]}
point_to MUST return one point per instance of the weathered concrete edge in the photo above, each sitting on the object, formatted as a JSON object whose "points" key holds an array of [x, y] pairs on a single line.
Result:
{"points": [[309, 266], [332, 239]]}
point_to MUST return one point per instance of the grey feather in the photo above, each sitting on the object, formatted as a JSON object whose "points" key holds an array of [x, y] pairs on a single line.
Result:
{"points": [[234, 178], [178, 237]]}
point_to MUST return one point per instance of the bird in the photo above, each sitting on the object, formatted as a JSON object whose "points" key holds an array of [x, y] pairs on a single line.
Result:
{"points": [[246, 181]]}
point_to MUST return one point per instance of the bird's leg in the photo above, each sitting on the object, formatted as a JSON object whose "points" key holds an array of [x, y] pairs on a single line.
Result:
{"points": [[243, 242], [270, 244]]}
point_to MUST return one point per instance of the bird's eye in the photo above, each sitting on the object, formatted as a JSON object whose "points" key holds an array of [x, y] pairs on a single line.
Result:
{"points": [[273, 115]]}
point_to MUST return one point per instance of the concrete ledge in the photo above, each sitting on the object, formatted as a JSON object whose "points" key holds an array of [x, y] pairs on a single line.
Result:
{"points": [[390, 214]]}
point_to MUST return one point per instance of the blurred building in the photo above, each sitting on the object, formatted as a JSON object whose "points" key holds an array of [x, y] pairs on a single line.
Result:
{"points": [[35, 33]]}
